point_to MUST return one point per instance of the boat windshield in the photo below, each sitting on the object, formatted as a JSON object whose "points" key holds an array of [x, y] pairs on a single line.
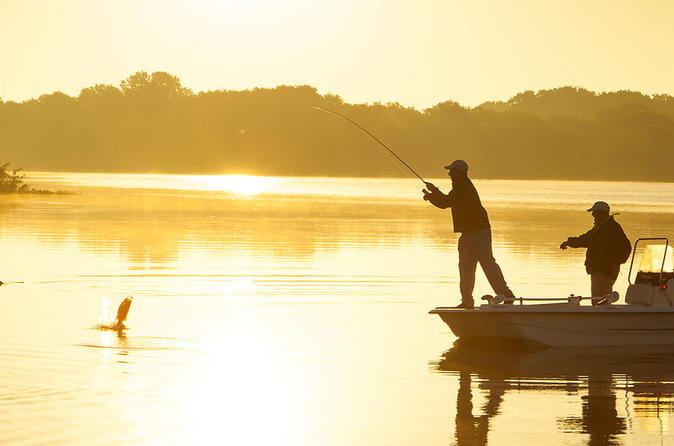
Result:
{"points": [[651, 260]]}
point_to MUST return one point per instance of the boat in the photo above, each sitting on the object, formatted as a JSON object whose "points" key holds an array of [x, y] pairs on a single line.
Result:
{"points": [[646, 317]]}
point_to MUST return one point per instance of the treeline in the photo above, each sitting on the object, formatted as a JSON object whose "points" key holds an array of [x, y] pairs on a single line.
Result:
{"points": [[151, 123]]}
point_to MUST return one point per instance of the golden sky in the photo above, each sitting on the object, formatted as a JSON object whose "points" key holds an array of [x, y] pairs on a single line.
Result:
{"points": [[416, 52]]}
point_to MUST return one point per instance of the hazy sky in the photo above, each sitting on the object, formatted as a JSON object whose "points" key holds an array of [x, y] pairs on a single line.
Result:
{"points": [[416, 52]]}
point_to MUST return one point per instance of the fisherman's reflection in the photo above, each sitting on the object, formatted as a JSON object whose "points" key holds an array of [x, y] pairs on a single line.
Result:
{"points": [[470, 429], [495, 369], [599, 417]]}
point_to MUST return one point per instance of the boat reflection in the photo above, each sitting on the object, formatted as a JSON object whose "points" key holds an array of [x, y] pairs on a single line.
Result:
{"points": [[641, 378]]}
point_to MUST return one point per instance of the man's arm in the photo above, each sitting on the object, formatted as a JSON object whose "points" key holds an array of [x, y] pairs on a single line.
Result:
{"points": [[436, 197], [582, 241]]}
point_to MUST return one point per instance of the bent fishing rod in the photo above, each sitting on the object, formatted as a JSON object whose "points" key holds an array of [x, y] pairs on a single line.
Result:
{"points": [[375, 138]]}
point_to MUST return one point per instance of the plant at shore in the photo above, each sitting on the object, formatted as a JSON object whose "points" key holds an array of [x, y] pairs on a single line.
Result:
{"points": [[11, 181]]}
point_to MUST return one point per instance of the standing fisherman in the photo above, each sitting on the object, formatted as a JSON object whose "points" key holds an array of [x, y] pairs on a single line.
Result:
{"points": [[471, 220]]}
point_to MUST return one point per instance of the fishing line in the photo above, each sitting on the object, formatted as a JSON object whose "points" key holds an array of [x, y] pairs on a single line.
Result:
{"points": [[373, 137]]}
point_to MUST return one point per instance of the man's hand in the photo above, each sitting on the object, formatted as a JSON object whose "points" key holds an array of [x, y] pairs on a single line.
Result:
{"points": [[564, 245], [427, 194], [432, 188]]}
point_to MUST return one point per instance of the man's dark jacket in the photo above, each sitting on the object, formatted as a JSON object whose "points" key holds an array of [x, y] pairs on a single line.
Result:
{"points": [[467, 212], [607, 247]]}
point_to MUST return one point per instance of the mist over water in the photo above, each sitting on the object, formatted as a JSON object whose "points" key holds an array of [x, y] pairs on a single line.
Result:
{"points": [[294, 311]]}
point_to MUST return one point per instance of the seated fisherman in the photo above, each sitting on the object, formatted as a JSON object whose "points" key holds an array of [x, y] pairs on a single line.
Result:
{"points": [[607, 248]]}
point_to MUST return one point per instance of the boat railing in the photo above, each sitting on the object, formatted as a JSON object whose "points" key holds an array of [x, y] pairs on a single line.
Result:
{"points": [[571, 299], [634, 252]]}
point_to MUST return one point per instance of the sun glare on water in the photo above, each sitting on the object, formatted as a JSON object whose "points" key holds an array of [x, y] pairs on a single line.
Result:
{"points": [[238, 184]]}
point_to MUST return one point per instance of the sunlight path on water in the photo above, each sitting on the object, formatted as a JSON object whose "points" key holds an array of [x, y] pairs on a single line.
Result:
{"points": [[547, 194]]}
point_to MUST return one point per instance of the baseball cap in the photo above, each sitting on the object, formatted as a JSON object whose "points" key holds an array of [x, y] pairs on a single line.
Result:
{"points": [[458, 165], [600, 206]]}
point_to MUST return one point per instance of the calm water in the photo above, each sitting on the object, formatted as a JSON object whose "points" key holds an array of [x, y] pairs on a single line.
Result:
{"points": [[294, 312]]}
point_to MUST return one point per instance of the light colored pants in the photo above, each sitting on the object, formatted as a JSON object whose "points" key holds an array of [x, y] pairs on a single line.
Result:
{"points": [[601, 284], [475, 247]]}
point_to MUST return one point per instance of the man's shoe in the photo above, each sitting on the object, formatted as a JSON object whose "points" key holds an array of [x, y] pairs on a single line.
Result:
{"points": [[466, 305]]}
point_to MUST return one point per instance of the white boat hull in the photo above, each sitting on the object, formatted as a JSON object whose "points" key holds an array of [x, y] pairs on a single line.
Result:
{"points": [[564, 324]]}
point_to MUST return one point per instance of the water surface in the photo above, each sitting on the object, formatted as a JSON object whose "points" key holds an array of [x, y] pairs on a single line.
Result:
{"points": [[294, 311]]}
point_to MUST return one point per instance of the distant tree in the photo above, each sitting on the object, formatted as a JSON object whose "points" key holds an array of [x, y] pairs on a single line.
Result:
{"points": [[100, 92], [135, 83], [157, 85]]}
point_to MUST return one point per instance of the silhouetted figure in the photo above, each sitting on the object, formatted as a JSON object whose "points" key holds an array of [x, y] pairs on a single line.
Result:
{"points": [[599, 417], [471, 430], [607, 248], [465, 429], [471, 220], [599, 412]]}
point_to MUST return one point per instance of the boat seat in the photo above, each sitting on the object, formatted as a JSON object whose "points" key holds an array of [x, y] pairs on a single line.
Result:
{"points": [[650, 295], [639, 294]]}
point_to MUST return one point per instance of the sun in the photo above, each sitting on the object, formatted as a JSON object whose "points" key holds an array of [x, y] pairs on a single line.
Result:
{"points": [[238, 184]]}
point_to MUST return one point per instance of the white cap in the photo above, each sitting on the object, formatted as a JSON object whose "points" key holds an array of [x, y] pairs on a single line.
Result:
{"points": [[458, 165], [600, 206]]}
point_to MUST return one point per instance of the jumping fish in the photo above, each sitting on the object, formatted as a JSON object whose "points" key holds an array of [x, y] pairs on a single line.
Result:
{"points": [[122, 312]]}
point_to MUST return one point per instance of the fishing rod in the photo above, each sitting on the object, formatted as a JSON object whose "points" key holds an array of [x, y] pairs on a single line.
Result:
{"points": [[375, 138], [8, 283]]}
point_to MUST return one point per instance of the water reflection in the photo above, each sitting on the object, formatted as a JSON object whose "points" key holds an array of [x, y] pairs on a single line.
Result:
{"points": [[471, 429], [594, 375], [599, 417]]}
